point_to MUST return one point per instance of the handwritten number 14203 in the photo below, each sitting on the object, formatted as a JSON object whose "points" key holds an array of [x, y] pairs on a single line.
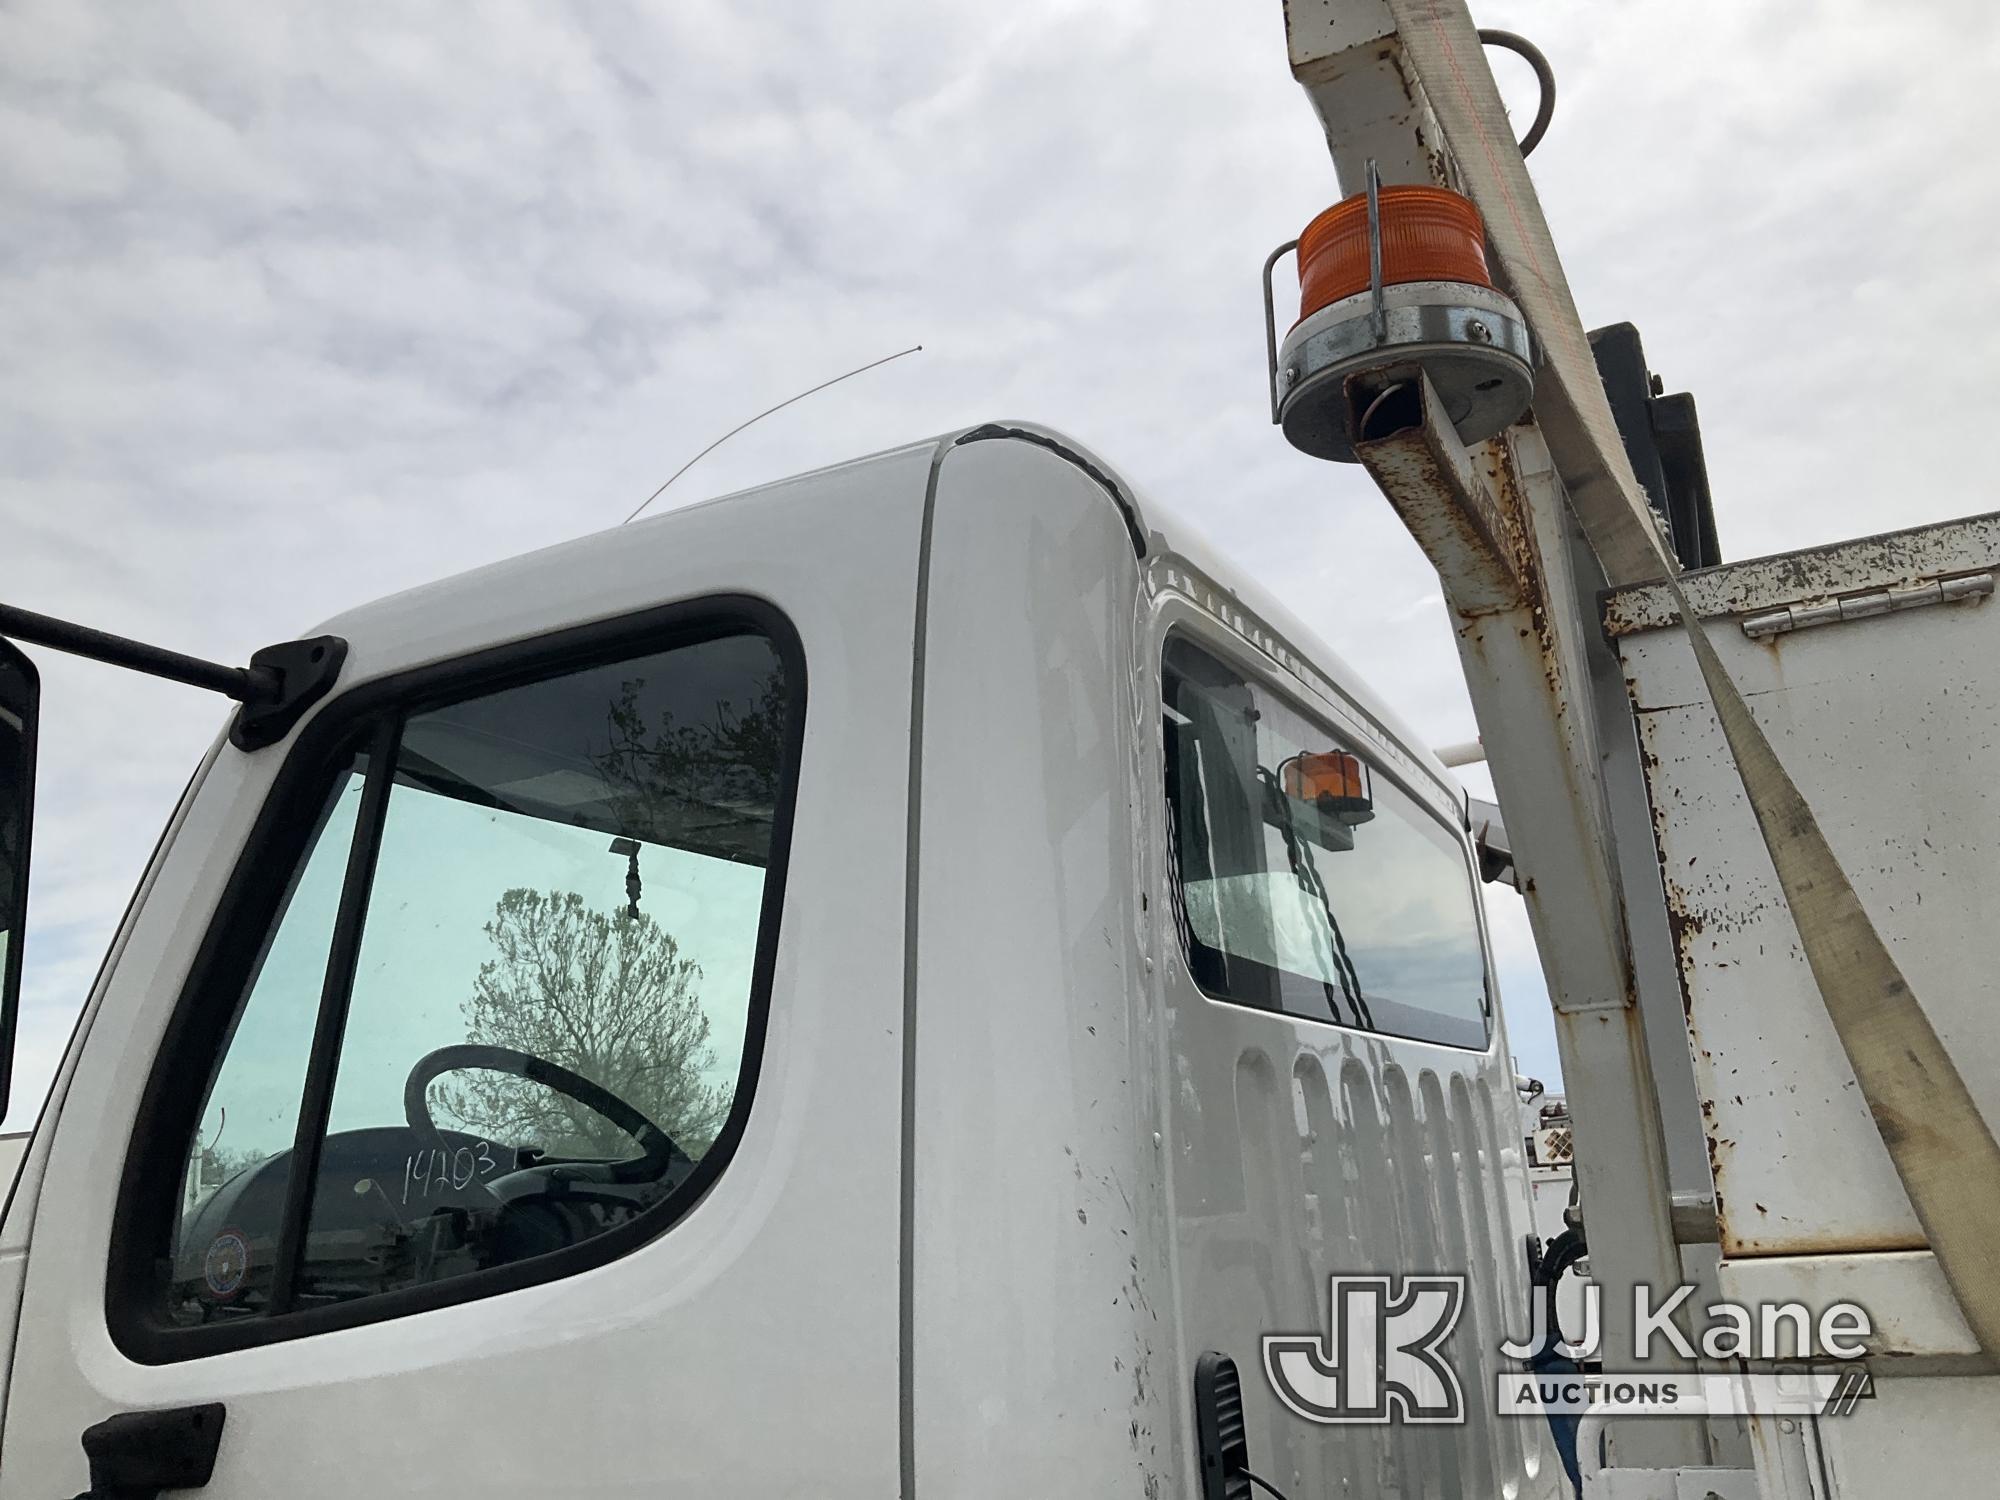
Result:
{"points": [[438, 1170]]}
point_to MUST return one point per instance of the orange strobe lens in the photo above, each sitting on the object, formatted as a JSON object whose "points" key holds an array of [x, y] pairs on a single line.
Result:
{"points": [[1428, 234]]}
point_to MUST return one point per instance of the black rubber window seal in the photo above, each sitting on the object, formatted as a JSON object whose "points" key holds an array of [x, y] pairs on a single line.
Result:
{"points": [[150, 1181]]}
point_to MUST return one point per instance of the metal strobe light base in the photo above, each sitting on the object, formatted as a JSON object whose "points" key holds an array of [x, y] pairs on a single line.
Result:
{"points": [[1470, 341]]}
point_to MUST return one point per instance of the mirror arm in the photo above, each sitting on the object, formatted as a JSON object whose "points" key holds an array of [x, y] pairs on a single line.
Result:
{"points": [[278, 686]]}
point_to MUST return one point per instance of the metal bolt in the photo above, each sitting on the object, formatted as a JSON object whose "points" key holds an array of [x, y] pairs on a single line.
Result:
{"points": [[1658, 385], [1479, 332], [1288, 377]]}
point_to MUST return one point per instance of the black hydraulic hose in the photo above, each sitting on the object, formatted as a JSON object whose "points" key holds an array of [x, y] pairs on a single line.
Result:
{"points": [[1545, 75]]}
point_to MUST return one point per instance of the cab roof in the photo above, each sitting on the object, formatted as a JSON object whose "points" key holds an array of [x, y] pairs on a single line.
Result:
{"points": [[1156, 530]]}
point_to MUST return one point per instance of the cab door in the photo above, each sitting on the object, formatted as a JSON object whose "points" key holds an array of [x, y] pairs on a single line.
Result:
{"points": [[497, 1091]]}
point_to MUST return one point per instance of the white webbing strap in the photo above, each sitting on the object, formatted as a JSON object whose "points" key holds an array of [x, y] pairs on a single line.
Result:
{"points": [[1441, 45]]}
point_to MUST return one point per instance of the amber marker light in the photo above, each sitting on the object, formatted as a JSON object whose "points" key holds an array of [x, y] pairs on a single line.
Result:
{"points": [[1333, 780]]}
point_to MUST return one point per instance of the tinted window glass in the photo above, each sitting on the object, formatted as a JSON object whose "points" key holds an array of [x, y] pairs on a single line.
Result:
{"points": [[238, 1164], [545, 1028], [1305, 882]]}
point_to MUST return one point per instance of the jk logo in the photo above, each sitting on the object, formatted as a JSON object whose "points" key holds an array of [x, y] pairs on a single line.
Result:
{"points": [[1379, 1360]]}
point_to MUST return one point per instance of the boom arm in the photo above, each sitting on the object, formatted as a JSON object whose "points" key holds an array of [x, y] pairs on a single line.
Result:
{"points": [[1525, 530], [1495, 521]]}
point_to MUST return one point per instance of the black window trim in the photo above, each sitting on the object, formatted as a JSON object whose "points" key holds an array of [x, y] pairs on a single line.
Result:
{"points": [[368, 717], [1226, 653]]}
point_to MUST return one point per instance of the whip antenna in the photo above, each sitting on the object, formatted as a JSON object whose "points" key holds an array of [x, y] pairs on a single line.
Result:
{"points": [[857, 370]]}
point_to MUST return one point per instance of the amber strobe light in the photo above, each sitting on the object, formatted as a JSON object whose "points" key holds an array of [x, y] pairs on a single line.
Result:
{"points": [[1428, 234], [1333, 781], [1391, 281]]}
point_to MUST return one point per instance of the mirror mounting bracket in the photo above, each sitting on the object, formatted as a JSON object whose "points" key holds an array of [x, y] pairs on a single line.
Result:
{"points": [[300, 673], [276, 689]]}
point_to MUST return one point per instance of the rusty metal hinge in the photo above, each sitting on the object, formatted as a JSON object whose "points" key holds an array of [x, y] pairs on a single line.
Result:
{"points": [[1861, 606]]}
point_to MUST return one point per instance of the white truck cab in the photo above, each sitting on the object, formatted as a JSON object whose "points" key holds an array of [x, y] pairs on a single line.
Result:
{"points": [[849, 989]]}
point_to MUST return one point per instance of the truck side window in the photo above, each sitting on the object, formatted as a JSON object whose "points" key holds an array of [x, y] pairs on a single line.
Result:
{"points": [[245, 1139], [1304, 882], [543, 1015]]}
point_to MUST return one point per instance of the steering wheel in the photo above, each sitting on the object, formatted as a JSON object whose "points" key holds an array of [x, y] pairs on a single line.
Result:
{"points": [[656, 1147]]}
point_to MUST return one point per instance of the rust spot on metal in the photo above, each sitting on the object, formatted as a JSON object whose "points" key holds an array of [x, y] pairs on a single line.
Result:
{"points": [[1742, 1243], [1817, 574], [1440, 494], [1440, 169], [1715, 1183]]}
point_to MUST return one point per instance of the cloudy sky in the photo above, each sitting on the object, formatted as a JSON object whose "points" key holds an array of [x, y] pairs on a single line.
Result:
{"points": [[306, 306]]}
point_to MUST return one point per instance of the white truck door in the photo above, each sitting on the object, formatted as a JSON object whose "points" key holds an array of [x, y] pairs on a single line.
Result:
{"points": [[496, 1093]]}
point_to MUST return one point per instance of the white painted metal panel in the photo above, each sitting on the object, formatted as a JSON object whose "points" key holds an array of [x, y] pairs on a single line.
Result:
{"points": [[1113, 1172], [1043, 1361], [1910, 1306], [1891, 727], [665, 1367], [16, 1228], [1919, 1437]]}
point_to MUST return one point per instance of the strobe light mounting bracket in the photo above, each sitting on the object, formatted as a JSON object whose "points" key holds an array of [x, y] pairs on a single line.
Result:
{"points": [[1470, 340]]}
